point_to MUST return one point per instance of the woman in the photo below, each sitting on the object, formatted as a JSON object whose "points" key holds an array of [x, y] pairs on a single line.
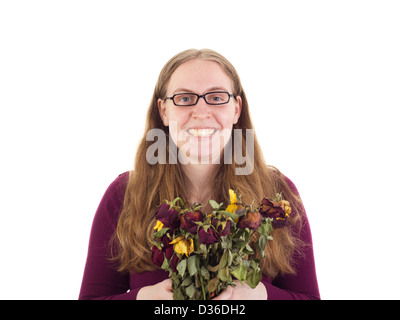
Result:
{"points": [[198, 103]]}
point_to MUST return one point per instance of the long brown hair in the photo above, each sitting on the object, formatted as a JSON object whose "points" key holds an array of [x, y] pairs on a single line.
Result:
{"points": [[149, 185]]}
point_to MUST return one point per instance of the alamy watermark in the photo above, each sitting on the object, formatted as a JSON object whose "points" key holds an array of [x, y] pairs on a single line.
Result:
{"points": [[188, 150]]}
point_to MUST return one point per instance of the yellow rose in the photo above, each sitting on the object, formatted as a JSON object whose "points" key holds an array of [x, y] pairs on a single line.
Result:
{"points": [[285, 205], [233, 200], [159, 225], [183, 246]]}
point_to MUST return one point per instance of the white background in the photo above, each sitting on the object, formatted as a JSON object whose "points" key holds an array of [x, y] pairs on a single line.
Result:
{"points": [[76, 78]]}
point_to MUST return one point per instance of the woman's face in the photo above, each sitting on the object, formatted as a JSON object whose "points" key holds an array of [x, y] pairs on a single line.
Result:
{"points": [[200, 131]]}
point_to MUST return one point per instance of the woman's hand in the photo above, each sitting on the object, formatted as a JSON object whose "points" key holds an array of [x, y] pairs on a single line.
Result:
{"points": [[243, 292], [159, 291]]}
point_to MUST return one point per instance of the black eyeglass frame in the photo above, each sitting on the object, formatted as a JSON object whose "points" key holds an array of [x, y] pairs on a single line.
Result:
{"points": [[198, 98]]}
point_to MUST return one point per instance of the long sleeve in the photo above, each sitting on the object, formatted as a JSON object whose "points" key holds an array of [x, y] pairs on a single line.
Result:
{"points": [[303, 285], [101, 280]]}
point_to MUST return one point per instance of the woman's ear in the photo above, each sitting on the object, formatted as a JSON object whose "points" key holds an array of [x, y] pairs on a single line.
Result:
{"points": [[162, 109], [238, 109]]}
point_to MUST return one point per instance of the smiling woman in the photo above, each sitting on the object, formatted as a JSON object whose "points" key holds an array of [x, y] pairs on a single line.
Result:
{"points": [[203, 116], [199, 109]]}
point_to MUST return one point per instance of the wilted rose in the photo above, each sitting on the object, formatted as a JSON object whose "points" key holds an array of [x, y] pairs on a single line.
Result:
{"points": [[208, 237], [278, 210], [168, 216], [158, 225], [285, 205], [157, 255], [271, 209], [222, 226], [189, 219], [279, 223], [183, 246], [251, 220], [167, 247], [233, 201]]}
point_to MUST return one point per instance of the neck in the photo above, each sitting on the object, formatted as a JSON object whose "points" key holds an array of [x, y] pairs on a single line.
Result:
{"points": [[199, 181]]}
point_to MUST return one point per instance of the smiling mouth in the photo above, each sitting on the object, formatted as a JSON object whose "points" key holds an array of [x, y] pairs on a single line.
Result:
{"points": [[202, 132]]}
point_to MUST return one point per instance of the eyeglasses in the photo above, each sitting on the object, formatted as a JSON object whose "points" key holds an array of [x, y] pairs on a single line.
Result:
{"points": [[191, 99]]}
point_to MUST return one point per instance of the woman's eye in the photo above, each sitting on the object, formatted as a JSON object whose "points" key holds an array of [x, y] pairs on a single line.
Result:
{"points": [[185, 99], [217, 98]]}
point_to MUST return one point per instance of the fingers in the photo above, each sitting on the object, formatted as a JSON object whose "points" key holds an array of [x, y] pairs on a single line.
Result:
{"points": [[167, 289], [159, 291], [167, 284]]}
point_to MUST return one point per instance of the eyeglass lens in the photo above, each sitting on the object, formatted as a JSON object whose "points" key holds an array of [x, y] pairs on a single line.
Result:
{"points": [[189, 99]]}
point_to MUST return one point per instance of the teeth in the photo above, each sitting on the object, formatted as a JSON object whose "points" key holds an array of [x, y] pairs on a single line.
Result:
{"points": [[201, 132]]}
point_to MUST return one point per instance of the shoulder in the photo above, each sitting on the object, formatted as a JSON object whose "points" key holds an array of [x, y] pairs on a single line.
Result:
{"points": [[282, 180], [116, 189], [111, 204], [291, 185]]}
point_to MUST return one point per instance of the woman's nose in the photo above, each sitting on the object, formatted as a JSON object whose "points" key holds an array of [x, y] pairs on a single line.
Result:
{"points": [[201, 109]]}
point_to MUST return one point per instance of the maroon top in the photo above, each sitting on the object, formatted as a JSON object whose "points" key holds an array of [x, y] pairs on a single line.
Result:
{"points": [[101, 280]]}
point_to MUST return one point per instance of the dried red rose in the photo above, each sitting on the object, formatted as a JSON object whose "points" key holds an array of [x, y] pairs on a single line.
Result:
{"points": [[271, 209], [278, 210], [189, 219], [251, 220], [219, 226], [168, 216], [208, 237], [157, 255], [279, 223]]}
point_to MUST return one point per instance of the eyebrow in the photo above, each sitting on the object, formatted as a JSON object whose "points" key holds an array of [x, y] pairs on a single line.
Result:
{"points": [[182, 90]]}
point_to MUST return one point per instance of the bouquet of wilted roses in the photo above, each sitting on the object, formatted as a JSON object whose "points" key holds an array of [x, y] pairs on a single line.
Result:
{"points": [[205, 252]]}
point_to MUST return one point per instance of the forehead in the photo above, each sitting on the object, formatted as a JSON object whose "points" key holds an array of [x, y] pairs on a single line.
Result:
{"points": [[199, 76]]}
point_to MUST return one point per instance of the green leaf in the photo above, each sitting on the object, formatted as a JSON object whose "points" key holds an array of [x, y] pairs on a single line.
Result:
{"points": [[178, 295], [265, 227], [165, 264], [192, 265], [224, 259], [240, 273], [234, 216], [181, 267], [262, 242], [230, 258], [262, 252], [253, 278], [175, 280], [255, 264], [213, 284], [214, 204], [248, 249], [226, 242], [187, 282], [204, 273], [160, 233], [191, 291], [236, 259], [224, 274], [238, 243]]}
